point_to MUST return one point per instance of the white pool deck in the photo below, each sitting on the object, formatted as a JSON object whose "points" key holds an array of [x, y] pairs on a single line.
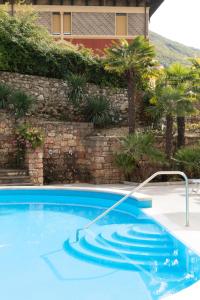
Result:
{"points": [[168, 207]]}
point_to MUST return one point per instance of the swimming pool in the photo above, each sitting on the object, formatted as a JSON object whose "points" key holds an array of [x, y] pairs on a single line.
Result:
{"points": [[126, 255]]}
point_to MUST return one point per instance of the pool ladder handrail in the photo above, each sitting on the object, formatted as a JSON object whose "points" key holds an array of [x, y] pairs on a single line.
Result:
{"points": [[141, 185]]}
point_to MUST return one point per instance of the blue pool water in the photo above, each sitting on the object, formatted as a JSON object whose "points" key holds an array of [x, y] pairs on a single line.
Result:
{"points": [[126, 255]]}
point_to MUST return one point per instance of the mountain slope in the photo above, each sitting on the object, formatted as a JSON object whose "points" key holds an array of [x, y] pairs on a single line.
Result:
{"points": [[169, 51]]}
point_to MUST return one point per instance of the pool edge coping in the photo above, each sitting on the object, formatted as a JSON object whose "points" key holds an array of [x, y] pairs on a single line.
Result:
{"points": [[140, 197]]}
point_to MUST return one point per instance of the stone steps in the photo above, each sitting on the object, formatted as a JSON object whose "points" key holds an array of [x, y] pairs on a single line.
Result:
{"points": [[12, 177]]}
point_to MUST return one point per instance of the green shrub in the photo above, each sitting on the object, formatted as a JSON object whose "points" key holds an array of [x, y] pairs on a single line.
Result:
{"points": [[20, 103], [126, 164], [136, 148], [28, 48], [188, 160], [5, 92], [28, 136], [77, 89], [98, 111]]}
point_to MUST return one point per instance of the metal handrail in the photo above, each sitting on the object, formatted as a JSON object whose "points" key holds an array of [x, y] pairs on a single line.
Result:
{"points": [[141, 185]]}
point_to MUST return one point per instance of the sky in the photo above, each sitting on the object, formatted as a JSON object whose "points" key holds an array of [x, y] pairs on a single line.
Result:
{"points": [[178, 20]]}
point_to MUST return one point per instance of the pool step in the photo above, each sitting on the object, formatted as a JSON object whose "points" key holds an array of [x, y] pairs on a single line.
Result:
{"points": [[98, 246], [76, 250], [125, 237], [119, 248], [148, 230], [137, 244], [12, 177]]}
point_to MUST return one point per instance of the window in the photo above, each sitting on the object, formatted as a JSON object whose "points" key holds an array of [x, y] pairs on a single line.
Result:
{"points": [[121, 24], [56, 28], [67, 23]]}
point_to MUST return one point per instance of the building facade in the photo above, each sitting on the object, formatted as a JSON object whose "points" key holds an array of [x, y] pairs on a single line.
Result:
{"points": [[95, 23]]}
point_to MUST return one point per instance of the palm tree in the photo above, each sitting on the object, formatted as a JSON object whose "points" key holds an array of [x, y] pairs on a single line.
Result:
{"points": [[134, 60], [180, 76], [171, 101], [196, 75], [135, 149]]}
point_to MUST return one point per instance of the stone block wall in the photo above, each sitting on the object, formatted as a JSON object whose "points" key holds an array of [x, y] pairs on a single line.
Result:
{"points": [[64, 151], [7, 145], [34, 163], [100, 152], [52, 96], [71, 152]]}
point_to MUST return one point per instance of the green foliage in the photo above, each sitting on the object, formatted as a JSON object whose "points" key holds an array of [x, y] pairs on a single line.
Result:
{"points": [[5, 92], [172, 101], [136, 148], [137, 56], [28, 136], [134, 61], [173, 92], [126, 163], [17, 102], [188, 159], [20, 103], [28, 48], [196, 75], [168, 51], [77, 88], [98, 110]]}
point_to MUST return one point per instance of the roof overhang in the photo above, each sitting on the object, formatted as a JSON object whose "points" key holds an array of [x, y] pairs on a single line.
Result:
{"points": [[154, 4]]}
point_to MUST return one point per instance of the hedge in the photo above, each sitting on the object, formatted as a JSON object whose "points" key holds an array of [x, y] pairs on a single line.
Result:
{"points": [[28, 48]]}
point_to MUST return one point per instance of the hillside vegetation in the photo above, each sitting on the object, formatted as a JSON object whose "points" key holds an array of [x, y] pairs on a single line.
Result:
{"points": [[169, 51]]}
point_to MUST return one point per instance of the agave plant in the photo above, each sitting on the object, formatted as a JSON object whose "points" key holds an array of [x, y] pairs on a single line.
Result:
{"points": [[135, 149], [77, 89], [20, 103], [188, 159], [98, 111]]}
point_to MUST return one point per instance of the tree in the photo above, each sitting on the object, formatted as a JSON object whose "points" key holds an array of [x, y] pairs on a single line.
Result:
{"points": [[134, 61], [196, 75], [171, 100], [180, 76]]}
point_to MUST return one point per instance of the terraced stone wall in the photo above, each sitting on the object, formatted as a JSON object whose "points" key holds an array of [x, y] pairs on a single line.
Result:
{"points": [[100, 159], [72, 152], [7, 145], [52, 102]]}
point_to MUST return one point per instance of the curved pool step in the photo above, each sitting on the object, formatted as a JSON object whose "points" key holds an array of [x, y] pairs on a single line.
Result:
{"points": [[96, 245], [77, 251], [148, 230], [140, 245], [125, 237], [119, 248]]}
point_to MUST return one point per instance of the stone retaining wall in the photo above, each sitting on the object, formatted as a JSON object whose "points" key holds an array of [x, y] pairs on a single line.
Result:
{"points": [[34, 162], [7, 145], [101, 161], [64, 151], [71, 152], [52, 96]]}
